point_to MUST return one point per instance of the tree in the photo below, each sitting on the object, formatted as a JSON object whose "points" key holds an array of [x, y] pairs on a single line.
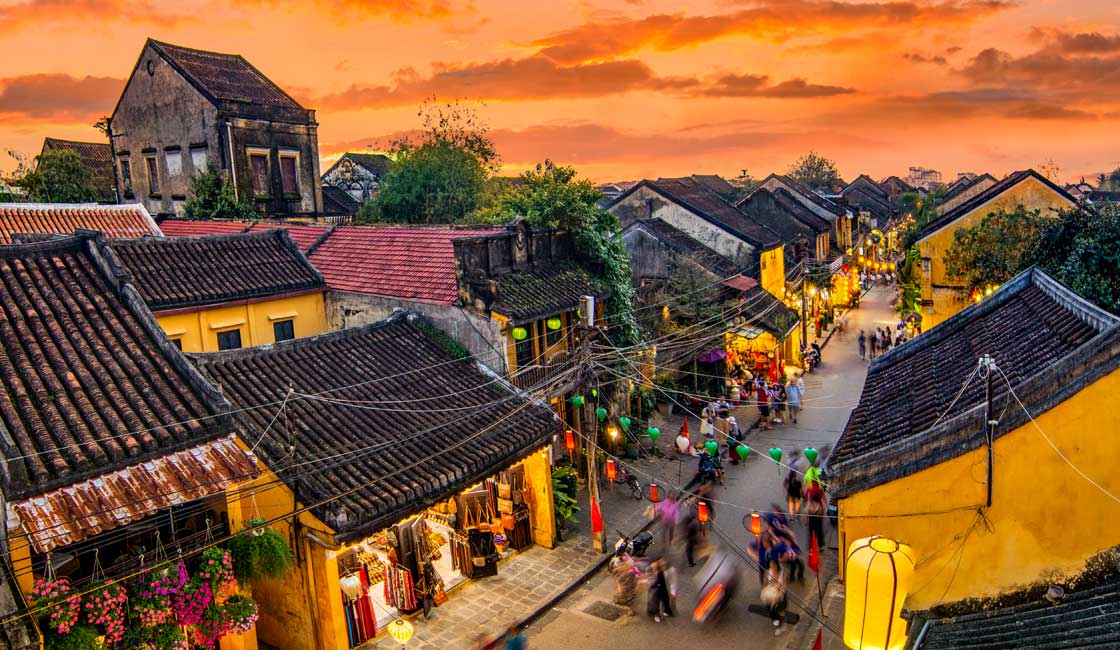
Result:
{"points": [[59, 177], [211, 197], [440, 175], [814, 170], [994, 250], [920, 208]]}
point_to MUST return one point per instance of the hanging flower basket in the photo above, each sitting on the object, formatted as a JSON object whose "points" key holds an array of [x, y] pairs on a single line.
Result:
{"points": [[259, 551], [153, 597], [105, 607], [55, 597], [191, 601], [164, 637], [236, 616], [216, 567]]}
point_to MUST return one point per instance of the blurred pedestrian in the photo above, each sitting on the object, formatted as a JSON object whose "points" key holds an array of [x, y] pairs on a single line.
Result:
{"points": [[762, 397], [515, 640], [625, 574], [659, 603], [793, 492], [794, 388], [862, 345]]}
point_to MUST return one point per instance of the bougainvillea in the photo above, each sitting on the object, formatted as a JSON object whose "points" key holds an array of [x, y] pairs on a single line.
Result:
{"points": [[57, 598], [216, 567], [105, 607]]}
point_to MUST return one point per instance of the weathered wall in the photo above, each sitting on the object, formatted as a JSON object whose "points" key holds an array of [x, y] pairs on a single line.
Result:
{"points": [[649, 258], [277, 137], [198, 329], [358, 181], [772, 272], [1044, 517], [480, 336], [974, 189]]}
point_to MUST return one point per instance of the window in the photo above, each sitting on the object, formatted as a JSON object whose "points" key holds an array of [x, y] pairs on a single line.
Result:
{"points": [[126, 175], [552, 336], [174, 162], [524, 351], [198, 159], [289, 172], [229, 340], [153, 175], [284, 330], [177, 343], [258, 165]]}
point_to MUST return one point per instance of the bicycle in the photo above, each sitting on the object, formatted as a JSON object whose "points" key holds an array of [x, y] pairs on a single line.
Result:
{"points": [[631, 481]]}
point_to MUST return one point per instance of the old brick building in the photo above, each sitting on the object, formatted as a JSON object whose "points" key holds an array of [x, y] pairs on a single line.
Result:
{"points": [[184, 111]]}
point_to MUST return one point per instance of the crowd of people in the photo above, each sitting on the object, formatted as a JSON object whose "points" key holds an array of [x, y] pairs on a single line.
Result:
{"points": [[880, 341]]}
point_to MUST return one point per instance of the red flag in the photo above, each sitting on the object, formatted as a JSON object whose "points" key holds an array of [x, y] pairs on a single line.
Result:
{"points": [[817, 645], [596, 518], [684, 429], [814, 554]]}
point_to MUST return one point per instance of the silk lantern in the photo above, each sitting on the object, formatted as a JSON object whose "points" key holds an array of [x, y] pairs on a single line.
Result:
{"points": [[776, 454], [654, 433], [400, 630], [712, 447], [351, 586], [612, 469], [879, 572], [601, 413], [702, 512], [553, 323], [811, 454], [624, 422], [520, 333], [577, 400], [756, 524], [654, 493], [569, 440], [743, 452]]}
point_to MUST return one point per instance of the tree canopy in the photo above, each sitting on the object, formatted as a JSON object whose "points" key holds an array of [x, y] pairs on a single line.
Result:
{"points": [[814, 170], [211, 197], [59, 177], [439, 175]]}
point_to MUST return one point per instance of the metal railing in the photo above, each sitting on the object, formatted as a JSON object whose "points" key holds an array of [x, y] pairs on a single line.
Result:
{"points": [[538, 374]]}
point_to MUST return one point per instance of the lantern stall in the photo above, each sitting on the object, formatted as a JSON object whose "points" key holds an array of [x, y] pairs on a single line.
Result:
{"points": [[878, 575]]}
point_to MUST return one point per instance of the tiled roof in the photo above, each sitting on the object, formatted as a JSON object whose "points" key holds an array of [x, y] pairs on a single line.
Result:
{"points": [[683, 244], [451, 424], [305, 236], [962, 184], [188, 228], [1011, 180], [784, 215], [90, 382], [804, 193], [1085, 618], [175, 272], [761, 309], [717, 184], [1031, 326], [337, 201], [98, 159], [226, 78], [696, 197], [413, 263], [66, 218], [373, 162], [546, 290]]}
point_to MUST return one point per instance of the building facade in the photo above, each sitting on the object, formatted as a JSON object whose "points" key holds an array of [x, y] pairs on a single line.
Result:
{"points": [[358, 174]]}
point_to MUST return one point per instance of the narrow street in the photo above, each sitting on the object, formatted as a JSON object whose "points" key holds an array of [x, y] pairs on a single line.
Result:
{"points": [[831, 392]]}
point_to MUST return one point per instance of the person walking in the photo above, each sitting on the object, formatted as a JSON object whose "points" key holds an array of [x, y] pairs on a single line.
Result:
{"points": [[734, 439], [762, 396], [815, 510], [862, 345], [873, 344], [793, 492], [691, 538], [778, 398], [625, 575], [774, 595], [793, 396], [659, 603]]}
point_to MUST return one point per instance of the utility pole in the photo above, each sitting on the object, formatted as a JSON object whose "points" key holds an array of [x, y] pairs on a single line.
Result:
{"points": [[588, 423], [989, 364], [804, 316]]}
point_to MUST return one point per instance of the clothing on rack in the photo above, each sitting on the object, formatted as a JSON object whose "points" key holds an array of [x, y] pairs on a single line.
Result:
{"points": [[399, 589]]}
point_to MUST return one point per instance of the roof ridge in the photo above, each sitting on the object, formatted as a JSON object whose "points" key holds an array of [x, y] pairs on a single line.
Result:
{"points": [[975, 201]]}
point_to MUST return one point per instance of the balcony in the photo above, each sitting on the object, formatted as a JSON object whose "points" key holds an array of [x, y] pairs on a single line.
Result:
{"points": [[542, 377]]}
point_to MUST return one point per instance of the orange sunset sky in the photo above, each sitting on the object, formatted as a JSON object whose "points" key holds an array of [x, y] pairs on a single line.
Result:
{"points": [[625, 89]]}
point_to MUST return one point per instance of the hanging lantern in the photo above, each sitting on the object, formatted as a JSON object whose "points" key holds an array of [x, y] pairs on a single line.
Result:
{"points": [[654, 493], [553, 323], [712, 447], [577, 400], [400, 630], [601, 413], [702, 512], [654, 433], [878, 577], [743, 452], [351, 586], [520, 333], [612, 469], [756, 524], [569, 440], [624, 422], [811, 454], [776, 454], [594, 392]]}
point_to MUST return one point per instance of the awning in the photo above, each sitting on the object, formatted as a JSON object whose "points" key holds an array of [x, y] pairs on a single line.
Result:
{"points": [[67, 515], [741, 282], [712, 356], [749, 333]]}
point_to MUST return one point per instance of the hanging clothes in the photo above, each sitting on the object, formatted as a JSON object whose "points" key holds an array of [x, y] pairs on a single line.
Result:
{"points": [[399, 589]]}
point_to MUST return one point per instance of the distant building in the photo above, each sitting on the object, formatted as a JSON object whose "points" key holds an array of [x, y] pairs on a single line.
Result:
{"points": [[113, 221], [97, 158], [895, 187], [869, 199], [184, 111], [358, 174], [924, 177], [337, 202], [964, 189]]}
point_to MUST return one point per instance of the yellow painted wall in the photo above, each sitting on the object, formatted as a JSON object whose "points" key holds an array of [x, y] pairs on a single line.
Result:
{"points": [[936, 286], [772, 269], [538, 476], [542, 352], [1044, 517], [198, 330]]}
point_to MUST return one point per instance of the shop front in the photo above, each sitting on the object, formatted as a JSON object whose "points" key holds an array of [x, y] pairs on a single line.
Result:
{"points": [[754, 353]]}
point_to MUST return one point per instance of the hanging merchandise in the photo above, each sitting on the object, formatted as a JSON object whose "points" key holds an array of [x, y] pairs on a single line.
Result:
{"points": [[399, 590]]}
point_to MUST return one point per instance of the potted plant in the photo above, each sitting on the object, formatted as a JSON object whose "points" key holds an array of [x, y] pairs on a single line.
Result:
{"points": [[564, 487], [665, 386], [259, 551]]}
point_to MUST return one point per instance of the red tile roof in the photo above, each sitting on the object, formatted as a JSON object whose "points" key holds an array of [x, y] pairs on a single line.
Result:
{"points": [[113, 221], [414, 263], [187, 228], [304, 236]]}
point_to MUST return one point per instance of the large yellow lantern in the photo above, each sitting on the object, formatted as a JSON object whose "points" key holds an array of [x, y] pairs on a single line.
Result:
{"points": [[400, 630], [879, 571]]}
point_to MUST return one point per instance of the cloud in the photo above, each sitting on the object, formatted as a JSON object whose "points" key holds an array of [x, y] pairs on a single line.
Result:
{"points": [[17, 14], [1019, 103], [766, 19], [917, 57], [751, 85], [530, 78], [1077, 42], [1081, 75], [59, 97], [401, 10], [1039, 111]]}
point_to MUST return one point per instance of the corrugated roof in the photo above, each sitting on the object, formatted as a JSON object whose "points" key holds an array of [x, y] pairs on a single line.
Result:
{"points": [[741, 282], [413, 263], [87, 508], [113, 221]]}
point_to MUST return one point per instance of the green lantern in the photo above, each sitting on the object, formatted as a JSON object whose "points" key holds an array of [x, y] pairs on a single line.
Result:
{"points": [[624, 422], [712, 447], [577, 400], [601, 413], [811, 454], [553, 323], [654, 433], [520, 333], [776, 454], [743, 452], [594, 392]]}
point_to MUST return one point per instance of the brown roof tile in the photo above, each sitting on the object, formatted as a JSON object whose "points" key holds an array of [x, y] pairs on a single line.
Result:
{"points": [[66, 218], [98, 159], [227, 77], [546, 290]]}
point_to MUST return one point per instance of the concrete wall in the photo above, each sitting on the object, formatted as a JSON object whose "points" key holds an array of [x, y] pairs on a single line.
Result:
{"points": [[277, 137], [198, 329], [480, 336], [356, 180], [973, 190], [1044, 518]]}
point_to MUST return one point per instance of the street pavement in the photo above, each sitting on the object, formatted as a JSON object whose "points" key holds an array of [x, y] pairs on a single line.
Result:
{"points": [[831, 392]]}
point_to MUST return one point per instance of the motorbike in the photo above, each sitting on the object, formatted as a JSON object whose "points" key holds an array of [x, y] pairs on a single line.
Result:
{"points": [[716, 584], [710, 469], [635, 546], [812, 358]]}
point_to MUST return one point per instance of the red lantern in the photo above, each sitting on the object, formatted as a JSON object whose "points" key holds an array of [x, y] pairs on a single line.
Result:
{"points": [[569, 440], [702, 512], [612, 471], [654, 493], [756, 523]]}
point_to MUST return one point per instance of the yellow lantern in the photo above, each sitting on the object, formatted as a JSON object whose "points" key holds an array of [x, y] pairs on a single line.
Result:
{"points": [[879, 571], [400, 630]]}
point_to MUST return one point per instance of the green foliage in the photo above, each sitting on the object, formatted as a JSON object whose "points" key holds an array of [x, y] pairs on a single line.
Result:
{"points": [[211, 197], [81, 637], [564, 490], [910, 283], [439, 176], [692, 294], [259, 552], [643, 401], [445, 341], [59, 177], [665, 383], [994, 250], [814, 170], [922, 209]]}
